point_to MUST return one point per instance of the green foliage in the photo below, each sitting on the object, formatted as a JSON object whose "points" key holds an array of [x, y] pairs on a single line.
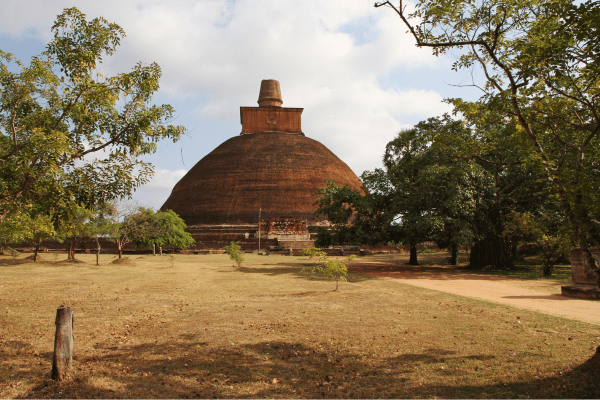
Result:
{"points": [[129, 223], [163, 228], [539, 63], [332, 268], [553, 241], [235, 253], [73, 226], [69, 137], [440, 183], [357, 217], [426, 250], [27, 227], [315, 254]]}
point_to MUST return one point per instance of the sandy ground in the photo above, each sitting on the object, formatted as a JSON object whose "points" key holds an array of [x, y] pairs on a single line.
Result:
{"points": [[536, 295]]}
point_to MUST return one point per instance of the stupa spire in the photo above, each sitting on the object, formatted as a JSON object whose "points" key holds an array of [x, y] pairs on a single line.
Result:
{"points": [[269, 116], [270, 94]]}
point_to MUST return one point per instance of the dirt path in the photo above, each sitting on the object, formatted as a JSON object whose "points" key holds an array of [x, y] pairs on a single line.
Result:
{"points": [[542, 296]]}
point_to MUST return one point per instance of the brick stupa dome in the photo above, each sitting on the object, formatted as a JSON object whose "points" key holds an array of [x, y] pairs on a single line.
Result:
{"points": [[270, 166]]}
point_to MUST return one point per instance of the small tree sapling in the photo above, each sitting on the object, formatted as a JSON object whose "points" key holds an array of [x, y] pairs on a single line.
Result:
{"points": [[235, 253]]}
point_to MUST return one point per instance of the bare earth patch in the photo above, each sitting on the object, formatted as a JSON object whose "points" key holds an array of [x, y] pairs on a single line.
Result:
{"points": [[203, 329], [39, 258], [124, 261], [538, 295]]}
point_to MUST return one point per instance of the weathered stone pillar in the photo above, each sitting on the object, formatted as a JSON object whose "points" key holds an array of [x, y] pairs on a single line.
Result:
{"points": [[63, 343], [580, 271]]}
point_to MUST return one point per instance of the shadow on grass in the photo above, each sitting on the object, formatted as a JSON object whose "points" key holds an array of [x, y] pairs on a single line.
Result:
{"points": [[437, 272], [190, 369], [298, 271], [4, 262], [548, 297], [12, 261]]}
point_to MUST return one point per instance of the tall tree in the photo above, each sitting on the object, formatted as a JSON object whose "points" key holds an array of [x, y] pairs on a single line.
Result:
{"points": [[421, 194], [540, 63], [69, 134], [160, 228], [439, 182], [435, 194]]}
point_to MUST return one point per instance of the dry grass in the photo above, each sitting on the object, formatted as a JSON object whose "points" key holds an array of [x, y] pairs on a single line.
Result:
{"points": [[205, 329]]}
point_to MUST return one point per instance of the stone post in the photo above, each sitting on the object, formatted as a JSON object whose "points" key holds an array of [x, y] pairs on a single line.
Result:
{"points": [[63, 343]]}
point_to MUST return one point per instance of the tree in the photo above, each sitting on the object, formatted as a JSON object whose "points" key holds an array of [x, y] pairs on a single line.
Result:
{"points": [[332, 268], [356, 216], [28, 227], [438, 183], [129, 223], [422, 193], [69, 134], [540, 63], [433, 193], [549, 234], [112, 220], [161, 228], [235, 253], [73, 227]]}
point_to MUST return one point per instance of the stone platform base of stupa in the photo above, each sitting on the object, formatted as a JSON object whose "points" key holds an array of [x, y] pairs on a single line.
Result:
{"points": [[581, 291]]}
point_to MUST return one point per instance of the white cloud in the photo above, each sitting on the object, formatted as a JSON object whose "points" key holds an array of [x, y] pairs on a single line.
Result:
{"points": [[222, 49], [157, 191]]}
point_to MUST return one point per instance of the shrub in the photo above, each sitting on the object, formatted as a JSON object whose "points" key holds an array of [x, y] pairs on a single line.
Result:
{"points": [[235, 253], [332, 268], [315, 253], [426, 250]]}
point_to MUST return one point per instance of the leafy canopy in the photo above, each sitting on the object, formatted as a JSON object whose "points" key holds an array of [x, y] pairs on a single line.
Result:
{"points": [[539, 66], [69, 135], [234, 251]]}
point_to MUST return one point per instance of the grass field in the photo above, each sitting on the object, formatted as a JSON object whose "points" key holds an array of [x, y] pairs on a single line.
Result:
{"points": [[199, 327]]}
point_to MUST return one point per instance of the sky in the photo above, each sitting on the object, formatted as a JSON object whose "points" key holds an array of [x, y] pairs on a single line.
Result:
{"points": [[352, 67]]}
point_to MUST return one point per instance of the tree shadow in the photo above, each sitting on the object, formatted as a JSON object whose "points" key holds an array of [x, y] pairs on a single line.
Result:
{"points": [[13, 261], [194, 369], [302, 272], [547, 297], [429, 272]]}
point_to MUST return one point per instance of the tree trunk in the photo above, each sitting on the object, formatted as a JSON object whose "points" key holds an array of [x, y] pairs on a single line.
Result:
{"points": [[547, 268], [63, 344], [493, 253], [453, 254], [120, 248], [413, 255], [70, 251], [37, 249]]}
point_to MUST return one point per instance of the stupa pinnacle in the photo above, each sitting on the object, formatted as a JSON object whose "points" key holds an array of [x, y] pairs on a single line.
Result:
{"points": [[269, 116], [270, 94]]}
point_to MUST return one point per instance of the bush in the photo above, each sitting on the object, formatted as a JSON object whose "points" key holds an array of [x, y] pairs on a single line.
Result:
{"points": [[235, 253], [332, 268], [315, 253], [426, 250]]}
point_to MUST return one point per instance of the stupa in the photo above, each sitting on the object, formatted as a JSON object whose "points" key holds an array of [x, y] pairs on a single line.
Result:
{"points": [[270, 171]]}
